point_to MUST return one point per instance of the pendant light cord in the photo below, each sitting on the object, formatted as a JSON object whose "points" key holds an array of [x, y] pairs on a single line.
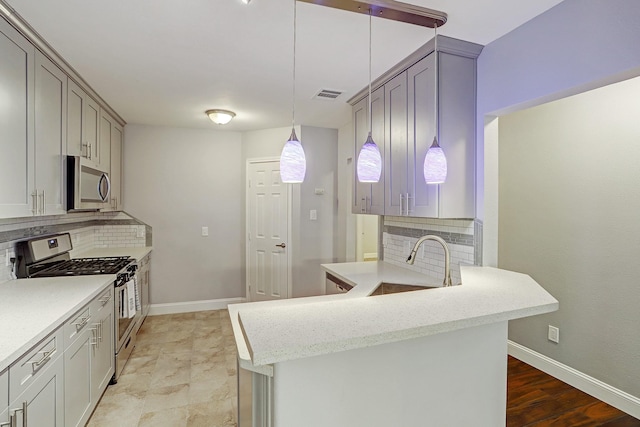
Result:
{"points": [[293, 95], [436, 71], [370, 112]]}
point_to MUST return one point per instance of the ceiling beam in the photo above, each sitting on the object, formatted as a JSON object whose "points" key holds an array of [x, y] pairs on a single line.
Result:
{"points": [[389, 9]]}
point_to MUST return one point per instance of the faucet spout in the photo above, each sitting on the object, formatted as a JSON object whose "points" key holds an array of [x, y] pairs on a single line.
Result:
{"points": [[447, 255]]}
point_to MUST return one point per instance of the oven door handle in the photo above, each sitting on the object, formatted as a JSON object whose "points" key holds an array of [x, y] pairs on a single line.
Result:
{"points": [[106, 184]]}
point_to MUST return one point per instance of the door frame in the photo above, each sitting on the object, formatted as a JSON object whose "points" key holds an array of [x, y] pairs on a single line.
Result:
{"points": [[247, 225]]}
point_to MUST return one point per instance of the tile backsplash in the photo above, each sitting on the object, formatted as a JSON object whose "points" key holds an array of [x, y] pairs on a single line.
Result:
{"points": [[463, 236], [87, 229]]}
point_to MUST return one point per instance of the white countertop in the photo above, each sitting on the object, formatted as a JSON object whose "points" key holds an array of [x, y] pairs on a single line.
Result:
{"points": [[30, 309], [137, 253], [277, 331]]}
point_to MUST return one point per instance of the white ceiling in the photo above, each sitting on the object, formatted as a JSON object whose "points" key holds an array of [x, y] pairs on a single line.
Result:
{"points": [[162, 62]]}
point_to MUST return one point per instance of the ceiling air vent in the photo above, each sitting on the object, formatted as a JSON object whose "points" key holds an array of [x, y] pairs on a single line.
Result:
{"points": [[327, 94]]}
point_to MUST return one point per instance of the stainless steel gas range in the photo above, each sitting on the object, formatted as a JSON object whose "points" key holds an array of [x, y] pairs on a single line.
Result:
{"points": [[49, 257]]}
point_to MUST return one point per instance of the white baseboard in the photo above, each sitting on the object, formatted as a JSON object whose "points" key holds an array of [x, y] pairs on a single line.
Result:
{"points": [[594, 387], [190, 306]]}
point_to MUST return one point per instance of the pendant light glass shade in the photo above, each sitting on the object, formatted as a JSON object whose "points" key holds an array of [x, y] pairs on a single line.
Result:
{"points": [[369, 165], [293, 163], [369, 162], [435, 164]]}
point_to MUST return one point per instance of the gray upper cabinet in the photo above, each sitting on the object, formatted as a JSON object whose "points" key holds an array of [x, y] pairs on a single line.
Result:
{"points": [[421, 130], [83, 126], [397, 196], [369, 197], [17, 177], [117, 136], [106, 129], [409, 127], [50, 137]]}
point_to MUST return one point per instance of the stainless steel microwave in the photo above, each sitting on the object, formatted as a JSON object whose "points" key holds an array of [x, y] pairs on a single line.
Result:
{"points": [[87, 187]]}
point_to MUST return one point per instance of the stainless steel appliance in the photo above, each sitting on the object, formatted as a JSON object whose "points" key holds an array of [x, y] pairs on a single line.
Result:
{"points": [[49, 257], [87, 188]]}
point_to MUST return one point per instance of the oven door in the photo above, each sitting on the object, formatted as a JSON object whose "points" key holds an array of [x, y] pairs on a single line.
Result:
{"points": [[125, 339]]}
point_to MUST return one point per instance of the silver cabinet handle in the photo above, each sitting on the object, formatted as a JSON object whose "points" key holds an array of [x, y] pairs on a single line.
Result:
{"points": [[281, 245], [82, 323], [407, 202], [34, 201], [105, 299], [46, 356], [90, 152], [94, 335], [14, 419], [42, 203], [401, 204], [100, 325]]}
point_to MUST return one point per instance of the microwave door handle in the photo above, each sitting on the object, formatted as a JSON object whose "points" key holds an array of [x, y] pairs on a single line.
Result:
{"points": [[104, 178]]}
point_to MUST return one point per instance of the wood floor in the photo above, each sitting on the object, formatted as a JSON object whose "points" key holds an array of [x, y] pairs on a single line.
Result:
{"points": [[537, 399]]}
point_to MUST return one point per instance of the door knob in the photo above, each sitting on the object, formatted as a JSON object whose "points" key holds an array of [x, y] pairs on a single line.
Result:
{"points": [[282, 245]]}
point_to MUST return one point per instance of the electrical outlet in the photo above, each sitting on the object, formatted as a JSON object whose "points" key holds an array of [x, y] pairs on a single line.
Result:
{"points": [[313, 215], [205, 231], [554, 334], [140, 232]]}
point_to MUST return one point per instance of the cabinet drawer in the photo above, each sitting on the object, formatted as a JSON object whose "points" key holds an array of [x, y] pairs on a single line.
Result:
{"points": [[30, 366], [4, 390], [102, 305], [74, 326]]}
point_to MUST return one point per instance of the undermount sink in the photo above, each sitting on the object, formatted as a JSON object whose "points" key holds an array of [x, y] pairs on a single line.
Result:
{"points": [[385, 288]]}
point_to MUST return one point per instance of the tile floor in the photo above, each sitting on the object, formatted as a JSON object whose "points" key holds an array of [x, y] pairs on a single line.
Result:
{"points": [[182, 373]]}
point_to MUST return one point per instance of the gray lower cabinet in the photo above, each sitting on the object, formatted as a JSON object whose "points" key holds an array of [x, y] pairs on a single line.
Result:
{"points": [[102, 356], [36, 385], [4, 398], [77, 378], [88, 357]]}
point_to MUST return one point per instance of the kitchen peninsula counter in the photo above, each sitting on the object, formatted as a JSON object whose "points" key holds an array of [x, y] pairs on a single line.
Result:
{"points": [[427, 357], [278, 331]]}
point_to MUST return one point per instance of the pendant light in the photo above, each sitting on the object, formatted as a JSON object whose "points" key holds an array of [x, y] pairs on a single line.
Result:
{"points": [[435, 162], [369, 165], [293, 164]]}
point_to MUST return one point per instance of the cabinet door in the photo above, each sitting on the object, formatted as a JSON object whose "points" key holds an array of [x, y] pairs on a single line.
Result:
{"points": [[104, 144], [77, 379], [397, 153], [91, 130], [116, 167], [102, 368], [16, 122], [457, 135], [42, 403], [75, 121], [50, 137], [4, 398], [421, 96]]}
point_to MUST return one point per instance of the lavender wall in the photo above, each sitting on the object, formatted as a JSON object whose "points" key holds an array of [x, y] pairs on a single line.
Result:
{"points": [[574, 47]]}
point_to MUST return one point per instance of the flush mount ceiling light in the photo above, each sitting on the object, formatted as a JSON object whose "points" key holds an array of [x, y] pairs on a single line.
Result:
{"points": [[293, 163], [369, 167], [220, 117], [435, 162]]}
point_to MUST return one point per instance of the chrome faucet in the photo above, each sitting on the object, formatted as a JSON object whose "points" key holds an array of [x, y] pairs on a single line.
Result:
{"points": [[447, 256]]}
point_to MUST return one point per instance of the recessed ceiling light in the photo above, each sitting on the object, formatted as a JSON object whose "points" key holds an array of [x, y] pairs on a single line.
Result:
{"points": [[220, 117], [246, 1]]}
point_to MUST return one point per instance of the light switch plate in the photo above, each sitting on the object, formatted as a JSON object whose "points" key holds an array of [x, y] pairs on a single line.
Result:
{"points": [[205, 231], [313, 215]]}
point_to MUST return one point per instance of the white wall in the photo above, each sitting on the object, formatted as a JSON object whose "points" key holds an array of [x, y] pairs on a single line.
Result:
{"points": [[178, 180], [345, 237], [569, 203], [575, 46]]}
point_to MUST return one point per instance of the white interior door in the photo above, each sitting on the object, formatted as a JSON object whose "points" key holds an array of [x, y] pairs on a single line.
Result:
{"points": [[268, 232]]}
